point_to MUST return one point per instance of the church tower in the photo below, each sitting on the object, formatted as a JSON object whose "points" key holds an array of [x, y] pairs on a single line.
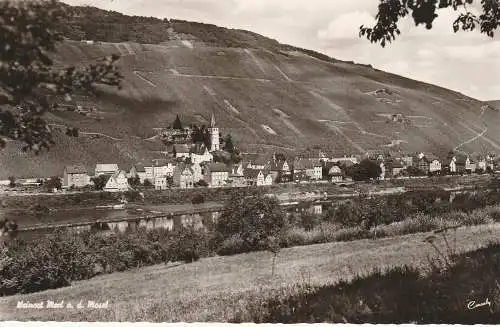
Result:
{"points": [[214, 135]]}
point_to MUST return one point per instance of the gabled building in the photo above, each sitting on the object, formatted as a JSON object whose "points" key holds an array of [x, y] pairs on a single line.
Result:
{"points": [[257, 177], [183, 176], [280, 171], [106, 169], [216, 174], [138, 171], [197, 172], [117, 182], [237, 177], [200, 153], [396, 167], [300, 170], [181, 151], [161, 183], [75, 175], [335, 174]]}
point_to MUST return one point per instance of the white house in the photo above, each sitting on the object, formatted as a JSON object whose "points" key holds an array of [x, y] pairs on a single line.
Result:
{"points": [[216, 175], [160, 183], [382, 170], [182, 151], [197, 172], [76, 176], [335, 174], [200, 154], [470, 165], [117, 182], [434, 165], [138, 171], [106, 169], [183, 176]]}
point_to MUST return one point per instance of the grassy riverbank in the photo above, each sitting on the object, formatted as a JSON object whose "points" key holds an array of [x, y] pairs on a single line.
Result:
{"points": [[226, 288]]}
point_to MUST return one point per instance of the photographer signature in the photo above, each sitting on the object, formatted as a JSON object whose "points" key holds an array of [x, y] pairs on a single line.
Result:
{"points": [[473, 305]]}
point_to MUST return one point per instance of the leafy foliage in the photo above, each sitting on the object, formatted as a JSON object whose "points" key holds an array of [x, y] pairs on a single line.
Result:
{"points": [[177, 123], [100, 181], [29, 84], [256, 220], [53, 183], [366, 170], [425, 12]]}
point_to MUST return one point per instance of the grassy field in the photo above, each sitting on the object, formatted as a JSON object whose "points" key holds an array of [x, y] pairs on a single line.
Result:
{"points": [[215, 289]]}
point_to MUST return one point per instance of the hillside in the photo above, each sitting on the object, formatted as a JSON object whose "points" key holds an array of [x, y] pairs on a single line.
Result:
{"points": [[269, 96]]}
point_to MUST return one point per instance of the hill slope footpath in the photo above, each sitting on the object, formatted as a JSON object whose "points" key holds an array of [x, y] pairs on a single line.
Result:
{"points": [[269, 96]]}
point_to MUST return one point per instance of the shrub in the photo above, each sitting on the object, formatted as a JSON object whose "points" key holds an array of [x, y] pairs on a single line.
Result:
{"points": [[232, 245], [197, 199]]}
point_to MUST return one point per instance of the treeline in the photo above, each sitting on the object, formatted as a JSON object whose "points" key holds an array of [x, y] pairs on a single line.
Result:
{"points": [[89, 23]]}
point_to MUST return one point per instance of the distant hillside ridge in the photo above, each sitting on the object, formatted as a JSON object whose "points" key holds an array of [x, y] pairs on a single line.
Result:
{"points": [[90, 23]]}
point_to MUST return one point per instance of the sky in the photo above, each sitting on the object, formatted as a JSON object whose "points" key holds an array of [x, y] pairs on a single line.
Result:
{"points": [[467, 62]]}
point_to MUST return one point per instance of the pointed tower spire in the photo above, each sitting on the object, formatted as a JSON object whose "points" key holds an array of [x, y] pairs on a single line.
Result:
{"points": [[212, 120]]}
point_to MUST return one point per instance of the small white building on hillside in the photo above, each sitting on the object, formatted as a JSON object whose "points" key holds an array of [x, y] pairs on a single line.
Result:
{"points": [[117, 182]]}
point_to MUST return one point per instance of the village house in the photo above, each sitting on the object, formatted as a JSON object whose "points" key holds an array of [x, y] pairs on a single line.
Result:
{"points": [[470, 165], [197, 172], [421, 163], [216, 174], [138, 171], [300, 167], [458, 163], [200, 153], [236, 176], [76, 175], [315, 170], [335, 174], [161, 183], [258, 163], [181, 151], [433, 162], [407, 160], [117, 182], [183, 176], [481, 163], [381, 163], [257, 177], [280, 171], [397, 167], [106, 169]]}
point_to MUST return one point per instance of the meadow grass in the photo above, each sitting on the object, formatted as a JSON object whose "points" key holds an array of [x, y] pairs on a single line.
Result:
{"points": [[227, 288]]}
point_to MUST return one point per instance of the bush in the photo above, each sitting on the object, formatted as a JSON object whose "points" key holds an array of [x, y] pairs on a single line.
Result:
{"points": [[232, 245], [197, 199]]}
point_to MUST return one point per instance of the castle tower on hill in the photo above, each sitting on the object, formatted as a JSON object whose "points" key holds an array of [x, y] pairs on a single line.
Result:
{"points": [[214, 135]]}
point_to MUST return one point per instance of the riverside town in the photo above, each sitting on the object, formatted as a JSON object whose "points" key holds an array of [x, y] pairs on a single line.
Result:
{"points": [[269, 162]]}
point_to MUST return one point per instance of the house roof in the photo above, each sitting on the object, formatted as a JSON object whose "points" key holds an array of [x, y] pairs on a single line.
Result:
{"points": [[461, 159], [140, 168], [181, 148], [217, 167], [334, 170], [198, 148], [76, 169], [106, 167], [302, 164], [116, 174], [183, 166], [251, 173]]}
